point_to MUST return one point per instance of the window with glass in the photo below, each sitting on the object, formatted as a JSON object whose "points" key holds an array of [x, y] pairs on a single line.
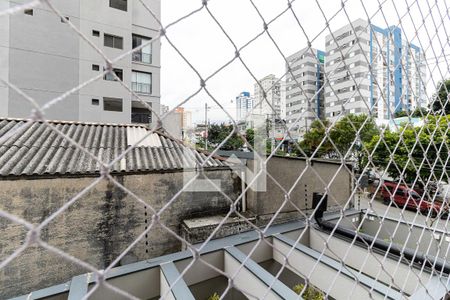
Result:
{"points": [[141, 82], [111, 77], [145, 53], [112, 104], [113, 41], [118, 4]]}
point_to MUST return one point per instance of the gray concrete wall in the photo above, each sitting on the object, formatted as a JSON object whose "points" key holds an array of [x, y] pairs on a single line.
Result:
{"points": [[99, 225], [286, 171], [43, 61]]}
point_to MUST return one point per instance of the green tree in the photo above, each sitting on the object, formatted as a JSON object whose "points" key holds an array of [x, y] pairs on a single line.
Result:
{"points": [[219, 132], [343, 135], [441, 103], [417, 113], [313, 138], [250, 136], [400, 113], [351, 128], [410, 147]]}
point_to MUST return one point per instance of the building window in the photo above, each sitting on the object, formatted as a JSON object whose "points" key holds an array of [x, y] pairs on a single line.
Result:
{"points": [[141, 114], [118, 4], [141, 82], [95, 33], [96, 102], [29, 12], [145, 54], [118, 72], [95, 68], [113, 41], [112, 104]]}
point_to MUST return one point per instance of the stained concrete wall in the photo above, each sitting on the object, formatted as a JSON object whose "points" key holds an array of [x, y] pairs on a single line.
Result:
{"points": [[98, 226], [286, 171]]}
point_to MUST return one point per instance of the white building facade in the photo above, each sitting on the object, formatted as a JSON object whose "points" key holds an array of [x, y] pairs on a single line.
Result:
{"points": [[44, 57], [304, 89], [394, 82], [272, 88]]}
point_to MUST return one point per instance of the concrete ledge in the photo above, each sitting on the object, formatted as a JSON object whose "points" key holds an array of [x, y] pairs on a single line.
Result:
{"points": [[260, 273], [198, 230], [53, 291], [79, 287], [177, 285], [437, 288], [363, 279]]}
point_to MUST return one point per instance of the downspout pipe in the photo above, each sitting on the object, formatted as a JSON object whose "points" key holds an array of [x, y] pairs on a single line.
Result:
{"points": [[434, 263]]}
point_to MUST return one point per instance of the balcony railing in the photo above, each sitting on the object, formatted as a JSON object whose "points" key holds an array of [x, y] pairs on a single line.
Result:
{"points": [[142, 57], [143, 118], [143, 88]]}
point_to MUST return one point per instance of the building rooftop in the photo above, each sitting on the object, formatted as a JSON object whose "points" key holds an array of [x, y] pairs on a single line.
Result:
{"points": [[261, 274], [37, 148]]}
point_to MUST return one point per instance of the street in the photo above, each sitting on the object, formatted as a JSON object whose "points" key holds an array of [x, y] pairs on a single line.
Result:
{"points": [[392, 211]]}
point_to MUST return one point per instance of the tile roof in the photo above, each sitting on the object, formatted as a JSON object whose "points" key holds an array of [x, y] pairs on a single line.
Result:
{"points": [[38, 150]]}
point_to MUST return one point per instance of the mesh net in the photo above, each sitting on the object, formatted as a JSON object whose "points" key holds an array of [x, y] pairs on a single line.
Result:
{"points": [[390, 64]]}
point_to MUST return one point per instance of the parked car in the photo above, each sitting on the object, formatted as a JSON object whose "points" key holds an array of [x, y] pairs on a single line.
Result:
{"points": [[405, 196]]}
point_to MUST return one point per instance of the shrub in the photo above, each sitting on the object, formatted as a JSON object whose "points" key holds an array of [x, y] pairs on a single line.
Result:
{"points": [[310, 293], [214, 296]]}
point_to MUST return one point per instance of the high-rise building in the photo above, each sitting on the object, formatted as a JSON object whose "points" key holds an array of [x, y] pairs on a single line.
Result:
{"points": [[395, 82], [304, 92], [45, 58], [271, 86], [244, 105], [185, 117], [401, 85]]}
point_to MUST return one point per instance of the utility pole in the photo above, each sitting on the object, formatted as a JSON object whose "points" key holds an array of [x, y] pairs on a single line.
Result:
{"points": [[273, 133], [206, 126]]}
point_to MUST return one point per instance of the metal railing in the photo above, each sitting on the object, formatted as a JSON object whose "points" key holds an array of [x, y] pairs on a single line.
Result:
{"points": [[142, 88], [141, 118], [142, 57]]}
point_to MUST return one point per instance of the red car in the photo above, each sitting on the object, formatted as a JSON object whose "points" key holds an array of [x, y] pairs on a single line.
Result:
{"points": [[405, 196]]}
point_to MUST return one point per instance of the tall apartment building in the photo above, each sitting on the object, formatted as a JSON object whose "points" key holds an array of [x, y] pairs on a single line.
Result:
{"points": [[45, 58], [402, 83], [273, 88], [394, 83], [304, 92], [244, 105], [185, 117]]}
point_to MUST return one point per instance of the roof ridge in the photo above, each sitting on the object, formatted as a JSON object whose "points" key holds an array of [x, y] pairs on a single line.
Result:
{"points": [[78, 122]]}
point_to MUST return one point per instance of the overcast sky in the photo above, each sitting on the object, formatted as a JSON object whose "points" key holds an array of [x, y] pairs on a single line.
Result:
{"points": [[207, 48]]}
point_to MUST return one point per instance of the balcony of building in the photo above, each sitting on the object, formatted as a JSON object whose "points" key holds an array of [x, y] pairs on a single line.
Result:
{"points": [[140, 114]]}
